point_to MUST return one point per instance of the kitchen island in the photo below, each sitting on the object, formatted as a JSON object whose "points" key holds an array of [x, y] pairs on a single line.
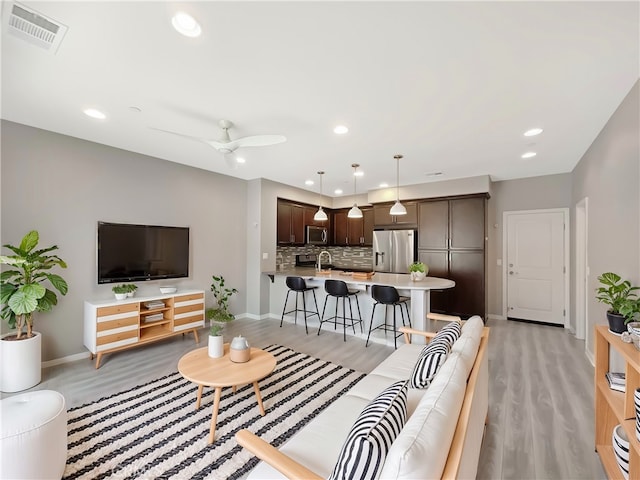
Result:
{"points": [[419, 292]]}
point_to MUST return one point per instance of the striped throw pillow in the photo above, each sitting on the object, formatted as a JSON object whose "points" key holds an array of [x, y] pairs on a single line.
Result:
{"points": [[429, 362], [372, 434], [450, 333]]}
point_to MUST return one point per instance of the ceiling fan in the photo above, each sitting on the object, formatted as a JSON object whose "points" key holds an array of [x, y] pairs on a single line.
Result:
{"points": [[228, 147]]}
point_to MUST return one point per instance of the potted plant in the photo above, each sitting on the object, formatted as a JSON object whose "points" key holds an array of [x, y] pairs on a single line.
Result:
{"points": [[418, 271], [131, 289], [24, 291], [219, 315], [120, 291], [620, 295]]}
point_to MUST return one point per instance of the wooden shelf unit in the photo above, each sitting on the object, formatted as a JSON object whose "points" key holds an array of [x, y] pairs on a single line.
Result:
{"points": [[114, 325], [612, 407]]}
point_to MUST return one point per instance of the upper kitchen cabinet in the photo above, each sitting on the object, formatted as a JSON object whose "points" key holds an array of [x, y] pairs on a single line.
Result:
{"points": [[433, 221], [352, 231], [381, 216], [290, 223], [457, 223]]}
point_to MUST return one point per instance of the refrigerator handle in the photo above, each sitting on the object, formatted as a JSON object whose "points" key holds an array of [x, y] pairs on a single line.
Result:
{"points": [[381, 254]]}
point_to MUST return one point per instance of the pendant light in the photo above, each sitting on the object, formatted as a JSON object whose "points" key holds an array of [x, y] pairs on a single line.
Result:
{"points": [[398, 208], [321, 215], [355, 212]]}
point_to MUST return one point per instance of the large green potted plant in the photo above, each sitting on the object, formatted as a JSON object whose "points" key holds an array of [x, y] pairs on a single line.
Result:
{"points": [[620, 295], [23, 292], [219, 315]]}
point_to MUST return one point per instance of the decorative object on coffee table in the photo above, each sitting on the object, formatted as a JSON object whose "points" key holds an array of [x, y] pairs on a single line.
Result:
{"points": [[239, 350]]}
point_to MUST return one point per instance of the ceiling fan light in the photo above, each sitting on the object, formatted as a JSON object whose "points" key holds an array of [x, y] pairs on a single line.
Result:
{"points": [[398, 209], [320, 216], [355, 212]]}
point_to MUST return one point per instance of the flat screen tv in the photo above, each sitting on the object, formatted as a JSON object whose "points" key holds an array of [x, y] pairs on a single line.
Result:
{"points": [[129, 253]]}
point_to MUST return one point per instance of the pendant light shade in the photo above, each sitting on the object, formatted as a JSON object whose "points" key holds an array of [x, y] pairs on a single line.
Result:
{"points": [[355, 212], [321, 215], [398, 208]]}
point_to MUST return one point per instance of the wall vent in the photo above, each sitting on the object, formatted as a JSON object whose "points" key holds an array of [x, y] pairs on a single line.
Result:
{"points": [[35, 28]]}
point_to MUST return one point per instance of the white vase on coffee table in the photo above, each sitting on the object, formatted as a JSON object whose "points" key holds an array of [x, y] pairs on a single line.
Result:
{"points": [[216, 346]]}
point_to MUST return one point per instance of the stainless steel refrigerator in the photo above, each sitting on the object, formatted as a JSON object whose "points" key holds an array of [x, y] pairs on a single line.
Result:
{"points": [[394, 250]]}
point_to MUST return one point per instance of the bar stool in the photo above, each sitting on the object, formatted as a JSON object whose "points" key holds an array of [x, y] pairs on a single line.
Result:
{"points": [[388, 295], [298, 285], [339, 289]]}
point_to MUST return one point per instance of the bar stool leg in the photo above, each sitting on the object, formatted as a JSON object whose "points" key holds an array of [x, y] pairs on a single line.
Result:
{"points": [[344, 319], [373, 311], [304, 311], [295, 314], [359, 315], [395, 337], [322, 320], [353, 326], [285, 308], [335, 318]]}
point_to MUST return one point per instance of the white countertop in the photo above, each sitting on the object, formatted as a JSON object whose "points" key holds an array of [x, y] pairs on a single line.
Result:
{"points": [[398, 280]]}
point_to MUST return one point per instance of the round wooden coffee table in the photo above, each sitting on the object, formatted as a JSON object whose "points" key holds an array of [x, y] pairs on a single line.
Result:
{"points": [[199, 368]]}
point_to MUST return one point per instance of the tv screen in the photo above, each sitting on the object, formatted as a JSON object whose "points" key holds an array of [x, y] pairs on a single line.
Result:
{"points": [[129, 253]]}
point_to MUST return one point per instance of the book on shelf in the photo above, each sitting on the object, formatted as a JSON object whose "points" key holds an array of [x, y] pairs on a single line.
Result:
{"points": [[616, 380]]}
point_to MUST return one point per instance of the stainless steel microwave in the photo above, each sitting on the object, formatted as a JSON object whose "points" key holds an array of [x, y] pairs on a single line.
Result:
{"points": [[317, 235]]}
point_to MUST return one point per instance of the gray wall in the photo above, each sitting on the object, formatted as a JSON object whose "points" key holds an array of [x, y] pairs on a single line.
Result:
{"points": [[62, 186], [609, 176], [549, 191]]}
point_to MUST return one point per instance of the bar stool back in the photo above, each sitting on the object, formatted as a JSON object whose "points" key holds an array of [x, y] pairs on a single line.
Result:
{"points": [[299, 286], [339, 290], [388, 295]]}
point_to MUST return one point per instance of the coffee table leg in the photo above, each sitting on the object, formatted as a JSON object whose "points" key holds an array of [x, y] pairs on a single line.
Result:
{"points": [[256, 388], [199, 397], [214, 415]]}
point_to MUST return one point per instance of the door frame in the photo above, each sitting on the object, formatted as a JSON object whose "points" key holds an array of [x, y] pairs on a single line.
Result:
{"points": [[567, 260], [582, 268]]}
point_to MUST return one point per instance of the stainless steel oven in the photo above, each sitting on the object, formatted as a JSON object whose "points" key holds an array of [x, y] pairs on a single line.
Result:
{"points": [[317, 235]]}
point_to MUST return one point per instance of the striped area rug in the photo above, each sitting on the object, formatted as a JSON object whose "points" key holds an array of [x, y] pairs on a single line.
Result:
{"points": [[154, 431]]}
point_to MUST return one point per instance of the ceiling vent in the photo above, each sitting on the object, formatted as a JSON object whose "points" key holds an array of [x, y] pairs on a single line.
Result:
{"points": [[24, 22]]}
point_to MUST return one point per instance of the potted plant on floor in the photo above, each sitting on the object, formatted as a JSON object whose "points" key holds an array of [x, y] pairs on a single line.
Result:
{"points": [[219, 316], [621, 297], [418, 271], [23, 291]]}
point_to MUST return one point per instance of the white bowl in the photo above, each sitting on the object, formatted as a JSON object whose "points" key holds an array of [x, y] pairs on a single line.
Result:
{"points": [[168, 289]]}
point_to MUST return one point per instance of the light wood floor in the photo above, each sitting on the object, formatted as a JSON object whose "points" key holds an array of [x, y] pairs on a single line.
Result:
{"points": [[541, 419]]}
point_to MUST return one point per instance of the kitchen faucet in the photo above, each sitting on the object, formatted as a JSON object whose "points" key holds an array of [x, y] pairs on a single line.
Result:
{"points": [[319, 266]]}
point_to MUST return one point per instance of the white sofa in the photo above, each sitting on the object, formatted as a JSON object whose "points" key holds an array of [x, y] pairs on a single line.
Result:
{"points": [[440, 439]]}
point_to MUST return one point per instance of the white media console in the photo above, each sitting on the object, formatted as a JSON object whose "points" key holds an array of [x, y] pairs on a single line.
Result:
{"points": [[112, 325]]}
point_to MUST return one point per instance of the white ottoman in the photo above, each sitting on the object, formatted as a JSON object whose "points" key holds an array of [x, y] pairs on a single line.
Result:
{"points": [[34, 435]]}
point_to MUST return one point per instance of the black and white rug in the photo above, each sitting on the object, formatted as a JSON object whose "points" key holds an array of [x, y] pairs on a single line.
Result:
{"points": [[154, 431]]}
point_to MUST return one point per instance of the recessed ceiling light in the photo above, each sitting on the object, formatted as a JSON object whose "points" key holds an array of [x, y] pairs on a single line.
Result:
{"points": [[94, 113], [533, 132], [186, 25], [529, 155], [340, 130], [308, 182], [240, 160], [384, 185], [337, 191]]}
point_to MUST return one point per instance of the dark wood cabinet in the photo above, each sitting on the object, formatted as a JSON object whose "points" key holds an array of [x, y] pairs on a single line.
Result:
{"points": [[290, 228], [352, 231], [451, 241], [381, 216]]}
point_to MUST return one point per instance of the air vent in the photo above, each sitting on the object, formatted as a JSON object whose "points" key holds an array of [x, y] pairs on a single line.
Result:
{"points": [[32, 26]]}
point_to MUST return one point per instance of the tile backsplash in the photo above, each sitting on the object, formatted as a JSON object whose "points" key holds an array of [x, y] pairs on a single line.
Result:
{"points": [[344, 257]]}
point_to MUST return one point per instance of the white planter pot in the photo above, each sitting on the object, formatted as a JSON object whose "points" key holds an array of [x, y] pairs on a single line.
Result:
{"points": [[20, 363], [216, 346], [417, 276], [120, 296]]}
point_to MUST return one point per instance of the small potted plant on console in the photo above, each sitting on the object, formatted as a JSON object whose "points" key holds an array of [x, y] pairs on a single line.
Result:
{"points": [[120, 291], [131, 289], [621, 297], [219, 315]]}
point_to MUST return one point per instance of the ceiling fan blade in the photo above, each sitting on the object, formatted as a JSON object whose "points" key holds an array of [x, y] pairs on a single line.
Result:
{"points": [[259, 140]]}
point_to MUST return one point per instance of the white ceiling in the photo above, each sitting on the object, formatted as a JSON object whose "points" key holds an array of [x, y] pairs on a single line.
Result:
{"points": [[452, 86]]}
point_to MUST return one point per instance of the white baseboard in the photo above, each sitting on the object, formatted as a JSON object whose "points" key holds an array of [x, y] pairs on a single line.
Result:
{"points": [[253, 316], [68, 359], [493, 316]]}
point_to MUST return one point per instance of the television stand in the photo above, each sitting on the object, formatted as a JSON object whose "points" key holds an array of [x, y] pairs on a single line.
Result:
{"points": [[114, 325]]}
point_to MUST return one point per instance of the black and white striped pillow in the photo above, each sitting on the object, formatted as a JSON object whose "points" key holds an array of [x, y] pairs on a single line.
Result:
{"points": [[430, 360], [372, 434], [449, 333]]}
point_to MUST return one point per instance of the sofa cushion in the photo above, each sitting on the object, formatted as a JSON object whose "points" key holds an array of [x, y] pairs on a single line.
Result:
{"points": [[449, 333], [421, 449], [428, 364], [371, 385], [371, 436]]}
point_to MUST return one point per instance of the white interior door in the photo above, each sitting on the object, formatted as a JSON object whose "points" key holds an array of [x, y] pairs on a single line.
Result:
{"points": [[536, 268]]}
